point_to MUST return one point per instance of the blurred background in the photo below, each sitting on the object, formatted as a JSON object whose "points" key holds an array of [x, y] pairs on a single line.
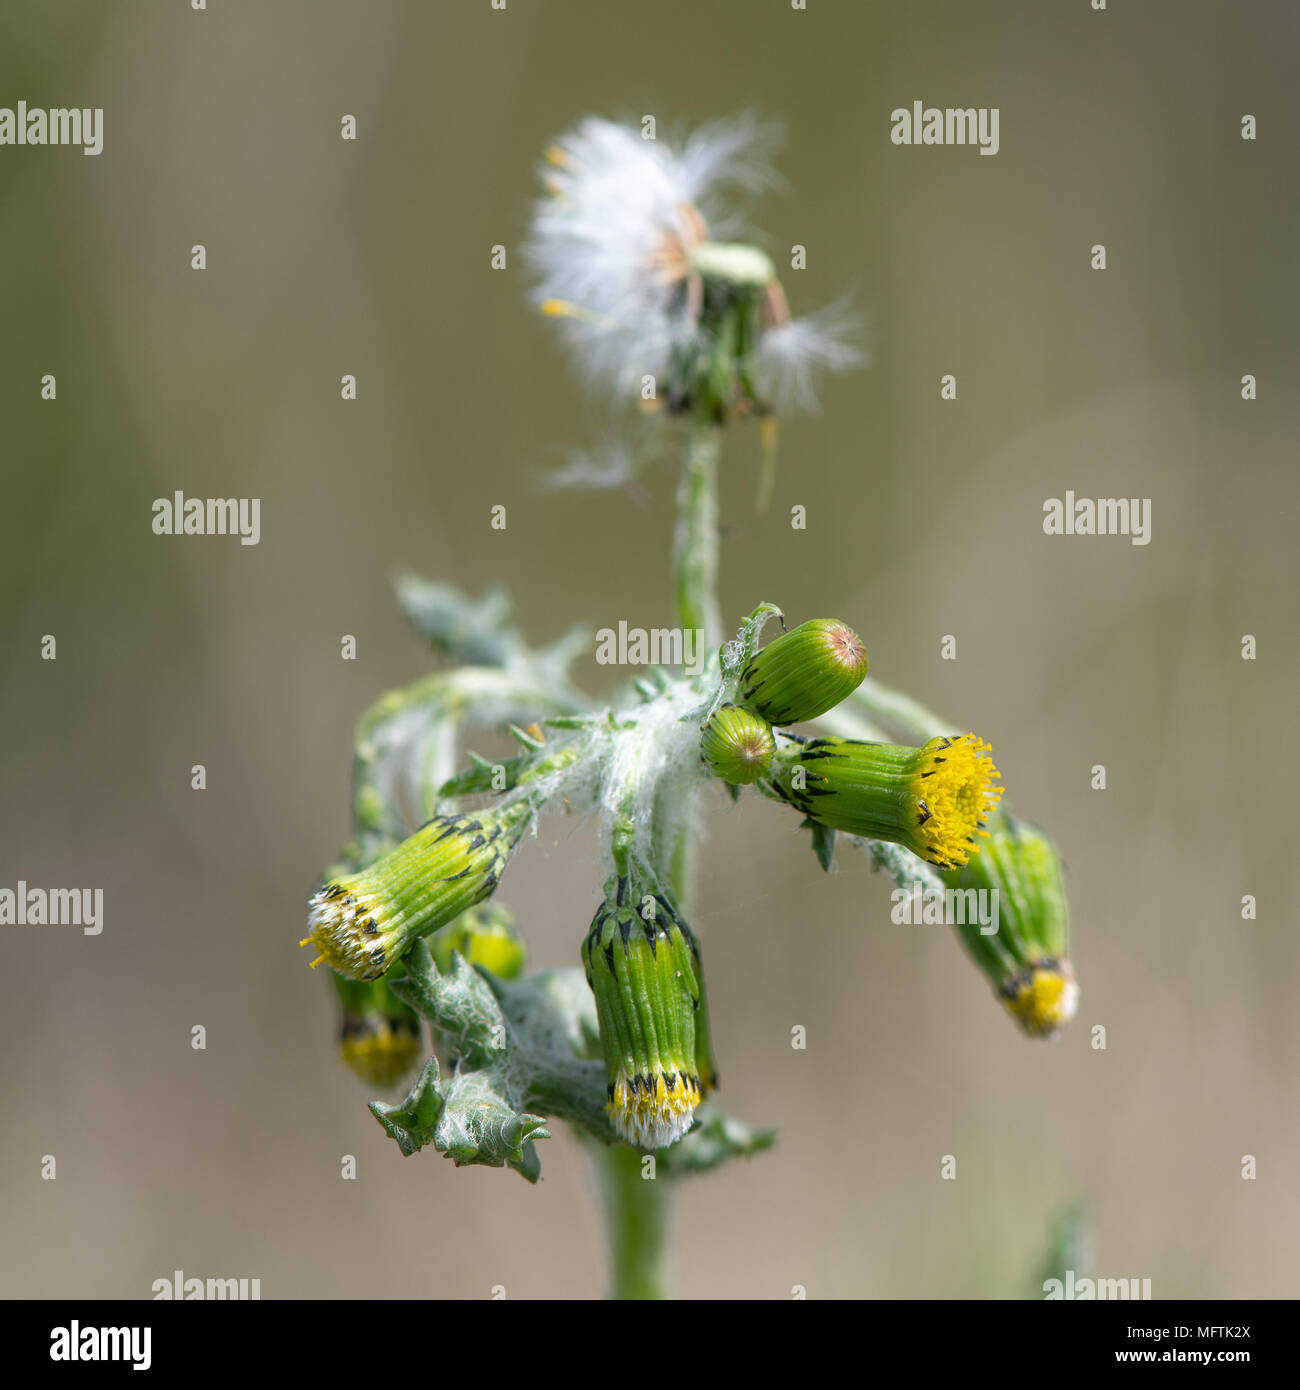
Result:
{"points": [[924, 520]]}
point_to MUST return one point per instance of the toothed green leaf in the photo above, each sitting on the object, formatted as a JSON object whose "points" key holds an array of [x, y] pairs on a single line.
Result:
{"points": [[412, 1122], [479, 1125], [459, 1004], [474, 630]]}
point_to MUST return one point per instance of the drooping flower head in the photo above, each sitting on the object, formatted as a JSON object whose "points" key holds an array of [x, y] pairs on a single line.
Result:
{"points": [[379, 1037], [1027, 958], [627, 259], [1043, 997], [935, 800], [362, 923], [643, 965]]}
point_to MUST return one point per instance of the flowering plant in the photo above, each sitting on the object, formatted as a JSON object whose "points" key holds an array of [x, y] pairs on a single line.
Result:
{"points": [[633, 258]]}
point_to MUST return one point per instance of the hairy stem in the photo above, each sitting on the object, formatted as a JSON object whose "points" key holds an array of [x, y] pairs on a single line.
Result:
{"points": [[695, 539], [636, 1218]]}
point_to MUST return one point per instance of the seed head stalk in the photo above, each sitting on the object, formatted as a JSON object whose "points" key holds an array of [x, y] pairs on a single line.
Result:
{"points": [[695, 539]]}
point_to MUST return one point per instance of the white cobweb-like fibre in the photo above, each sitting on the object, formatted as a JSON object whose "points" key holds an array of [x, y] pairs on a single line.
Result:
{"points": [[660, 753]]}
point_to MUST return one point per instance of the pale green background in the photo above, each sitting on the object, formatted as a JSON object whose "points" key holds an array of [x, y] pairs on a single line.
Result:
{"points": [[924, 520]]}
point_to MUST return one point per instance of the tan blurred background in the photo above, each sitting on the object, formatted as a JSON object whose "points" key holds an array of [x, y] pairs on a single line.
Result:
{"points": [[326, 257]]}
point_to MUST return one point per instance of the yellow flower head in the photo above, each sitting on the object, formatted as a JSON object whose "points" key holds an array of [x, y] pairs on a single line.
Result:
{"points": [[935, 800], [955, 787], [380, 1051], [1043, 997], [653, 1110], [379, 1037]]}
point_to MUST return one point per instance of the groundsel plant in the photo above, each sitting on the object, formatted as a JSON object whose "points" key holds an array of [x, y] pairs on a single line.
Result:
{"points": [[630, 259]]}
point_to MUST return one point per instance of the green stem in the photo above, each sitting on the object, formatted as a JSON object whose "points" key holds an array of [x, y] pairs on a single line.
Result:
{"points": [[681, 876], [695, 539], [636, 1218]]}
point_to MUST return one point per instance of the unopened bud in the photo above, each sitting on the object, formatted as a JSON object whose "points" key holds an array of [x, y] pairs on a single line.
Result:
{"points": [[737, 745], [804, 672]]}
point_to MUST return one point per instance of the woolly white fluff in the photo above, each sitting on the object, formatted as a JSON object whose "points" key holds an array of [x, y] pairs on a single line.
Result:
{"points": [[659, 754], [611, 239]]}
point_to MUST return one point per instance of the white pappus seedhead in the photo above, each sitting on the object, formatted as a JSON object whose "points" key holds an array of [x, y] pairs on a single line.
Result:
{"points": [[630, 237]]}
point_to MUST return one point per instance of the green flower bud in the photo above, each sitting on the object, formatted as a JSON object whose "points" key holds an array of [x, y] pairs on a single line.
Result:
{"points": [[1026, 959], [485, 935], [380, 1037], [363, 922], [934, 800], [737, 745], [643, 965], [804, 672]]}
